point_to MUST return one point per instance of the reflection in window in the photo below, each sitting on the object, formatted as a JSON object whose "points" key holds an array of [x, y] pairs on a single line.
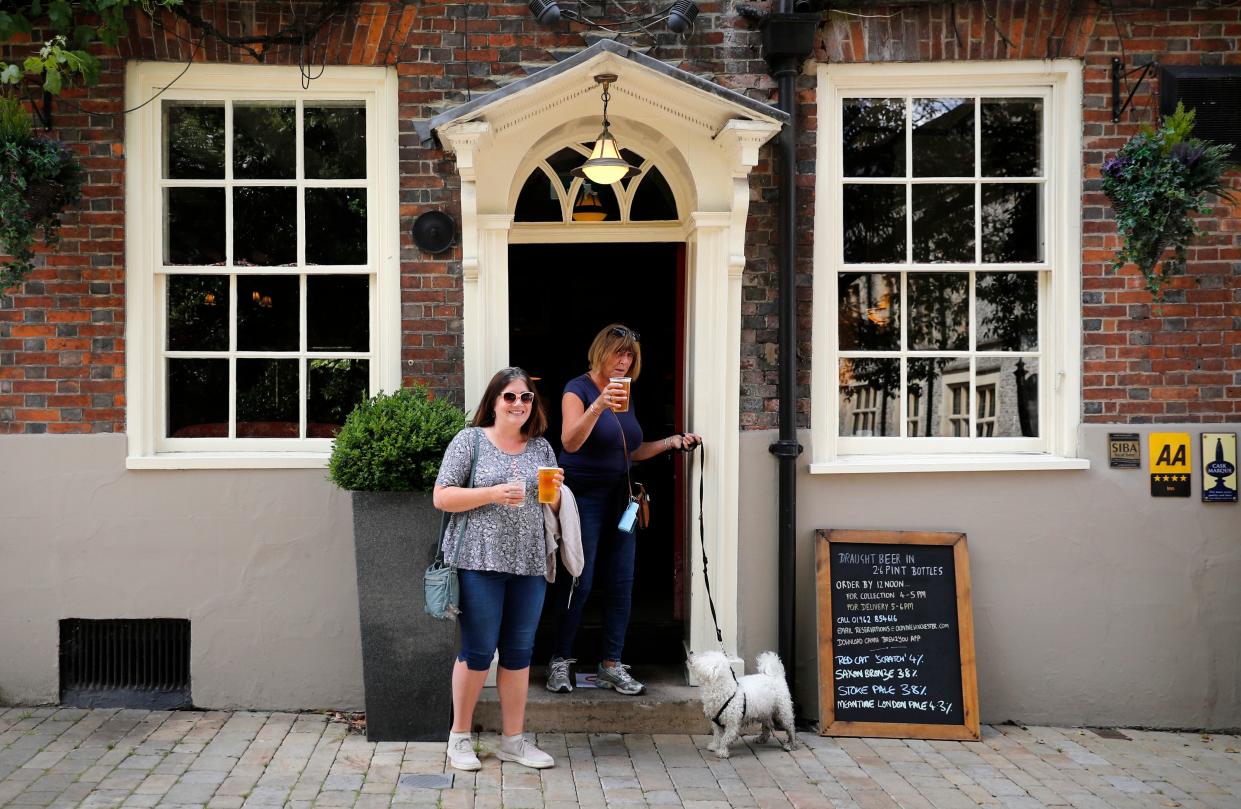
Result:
{"points": [[267, 312], [197, 395], [943, 223], [193, 140], [267, 398], [1012, 223], [868, 404], [874, 224], [870, 311], [1012, 137], [958, 413], [1007, 311], [335, 140], [197, 313], [984, 409], [939, 311], [943, 137], [1011, 399], [264, 141], [336, 387], [194, 226], [264, 226], [874, 137], [538, 201], [646, 197], [335, 226]]}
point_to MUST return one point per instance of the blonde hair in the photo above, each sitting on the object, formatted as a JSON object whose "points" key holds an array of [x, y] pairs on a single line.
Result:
{"points": [[614, 338]]}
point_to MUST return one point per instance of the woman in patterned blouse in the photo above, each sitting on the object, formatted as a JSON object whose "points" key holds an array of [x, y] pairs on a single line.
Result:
{"points": [[500, 557]]}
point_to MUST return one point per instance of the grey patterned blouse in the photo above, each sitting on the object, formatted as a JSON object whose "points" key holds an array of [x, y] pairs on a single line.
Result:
{"points": [[508, 539]]}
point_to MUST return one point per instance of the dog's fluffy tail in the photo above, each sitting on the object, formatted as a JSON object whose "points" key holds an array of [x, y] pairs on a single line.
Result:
{"points": [[769, 663]]}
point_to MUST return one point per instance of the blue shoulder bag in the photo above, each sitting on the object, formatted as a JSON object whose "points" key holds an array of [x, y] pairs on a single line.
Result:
{"points": [[443, 594]]}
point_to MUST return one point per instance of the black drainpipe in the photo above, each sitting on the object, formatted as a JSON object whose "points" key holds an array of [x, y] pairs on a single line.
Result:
{"points": [[788, 38]]}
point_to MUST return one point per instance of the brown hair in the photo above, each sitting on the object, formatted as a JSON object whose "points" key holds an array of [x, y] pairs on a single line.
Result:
{"points": [[615, 337], [485, 413]]}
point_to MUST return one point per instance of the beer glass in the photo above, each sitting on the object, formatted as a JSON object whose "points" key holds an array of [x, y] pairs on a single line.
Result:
{"points": [[517, 480], [624, 381], [547, 484]]}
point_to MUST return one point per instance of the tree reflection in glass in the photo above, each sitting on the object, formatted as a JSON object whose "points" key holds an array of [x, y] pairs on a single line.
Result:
{"points": [[267, 398], [197, 393], [264, 141], [264, 226], [874, 224], [869, 306], [193, 140], [868, 388], [939, 311], [873, 136], [334, 134], [943, 223], [336, 386], [1012, 226], [943, 137], [335, 226], [1012, 137], [197, 313]]}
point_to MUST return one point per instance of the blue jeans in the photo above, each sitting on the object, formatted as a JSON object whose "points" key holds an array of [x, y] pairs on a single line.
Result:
{"points": [[498, 611], [608, 555]]}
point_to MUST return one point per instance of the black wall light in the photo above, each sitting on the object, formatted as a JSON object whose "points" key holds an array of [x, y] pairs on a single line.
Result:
{"points": [[679, 17]]}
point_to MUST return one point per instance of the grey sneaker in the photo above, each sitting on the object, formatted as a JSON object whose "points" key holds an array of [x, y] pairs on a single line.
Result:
{"points": [[617, 677], [523, 751], [461, 753], [559, 676]]}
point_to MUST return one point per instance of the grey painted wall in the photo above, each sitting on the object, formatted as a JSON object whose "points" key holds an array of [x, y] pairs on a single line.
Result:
{"points": [[260, 561], [1094, 603]]}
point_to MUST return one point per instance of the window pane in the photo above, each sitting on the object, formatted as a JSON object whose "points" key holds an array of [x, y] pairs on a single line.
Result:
{"points": [[1012, 223], [874, 223], [267, 398], [943, 223], [1010, 408], [335, 141], [193, 140], [194, 226], [197, 398], [538, 201], [264, 226], [943, 137], [868, 391], [264, 141], [870, 311], [267, 313], [633, 159], [596, 203], [566, 160], [942, 386], [197, 313], [874, 137], [939, 311], [337, 313], [653, 201], [336, 386], [1007, 311], [335, 225], [1012, 137]]}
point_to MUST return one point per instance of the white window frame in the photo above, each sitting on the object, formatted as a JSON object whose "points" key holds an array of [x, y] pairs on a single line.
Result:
{"points": [[1059, 82], [145, 304]]}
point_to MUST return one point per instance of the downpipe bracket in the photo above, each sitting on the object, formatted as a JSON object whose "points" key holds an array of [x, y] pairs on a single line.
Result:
{"points": [[785, 448]]}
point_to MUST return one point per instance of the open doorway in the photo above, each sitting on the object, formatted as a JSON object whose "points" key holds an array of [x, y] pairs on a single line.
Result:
{"points": [[560, 296]]}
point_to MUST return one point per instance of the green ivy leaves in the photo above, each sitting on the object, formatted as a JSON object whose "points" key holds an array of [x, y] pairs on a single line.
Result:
{"points": [[1157, 182]]}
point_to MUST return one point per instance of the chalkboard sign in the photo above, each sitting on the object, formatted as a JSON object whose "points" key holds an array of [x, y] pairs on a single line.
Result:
{"points": [[896, 635]]}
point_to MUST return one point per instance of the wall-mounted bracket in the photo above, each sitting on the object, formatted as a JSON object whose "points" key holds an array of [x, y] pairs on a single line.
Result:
{"points": [[1120, 72]]}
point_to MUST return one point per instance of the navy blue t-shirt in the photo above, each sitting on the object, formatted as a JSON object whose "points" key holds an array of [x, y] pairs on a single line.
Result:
{"points": [[601, 458]]}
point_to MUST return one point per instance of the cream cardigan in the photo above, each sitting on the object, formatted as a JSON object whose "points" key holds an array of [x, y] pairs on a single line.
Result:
{"points": [[563, 531]]}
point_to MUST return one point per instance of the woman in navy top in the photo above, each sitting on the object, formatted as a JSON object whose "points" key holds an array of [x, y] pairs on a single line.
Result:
{"points": [[595, 466]]}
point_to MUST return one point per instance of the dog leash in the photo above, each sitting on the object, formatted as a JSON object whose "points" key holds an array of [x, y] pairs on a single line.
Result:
{"points": [[706, 578]]}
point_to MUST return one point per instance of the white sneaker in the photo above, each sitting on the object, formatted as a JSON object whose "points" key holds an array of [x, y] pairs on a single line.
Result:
{"points": [[519, 749], [461, 753]]}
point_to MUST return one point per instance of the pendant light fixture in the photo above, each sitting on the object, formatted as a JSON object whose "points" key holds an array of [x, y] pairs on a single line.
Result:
{"points": [[605, 164], [589, 208]]}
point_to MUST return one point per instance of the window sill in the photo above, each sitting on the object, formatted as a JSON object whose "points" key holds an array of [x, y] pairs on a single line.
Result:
{"points": [[229, 460], [1013, 462]]}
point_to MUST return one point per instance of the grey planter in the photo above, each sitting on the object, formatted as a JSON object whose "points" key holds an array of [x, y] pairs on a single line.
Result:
{"points": [[407, 656]]}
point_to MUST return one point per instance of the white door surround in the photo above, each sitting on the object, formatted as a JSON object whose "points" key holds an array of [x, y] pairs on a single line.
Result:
{"points": [[705, 140]]}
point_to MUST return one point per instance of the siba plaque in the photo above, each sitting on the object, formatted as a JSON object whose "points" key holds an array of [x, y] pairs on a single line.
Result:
{"points": [[1124, 451], [1219, 467], [1170, 459]]}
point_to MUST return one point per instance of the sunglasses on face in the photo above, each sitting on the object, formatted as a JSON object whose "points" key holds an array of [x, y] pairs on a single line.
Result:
{"points": [[526, 396], [621, 331]]}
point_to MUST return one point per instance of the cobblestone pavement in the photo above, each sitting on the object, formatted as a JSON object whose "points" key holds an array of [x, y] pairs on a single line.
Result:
{"points": [[97, 759]]}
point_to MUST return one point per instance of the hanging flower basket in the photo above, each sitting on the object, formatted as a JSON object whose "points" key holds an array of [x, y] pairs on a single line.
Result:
{"points": [[39, 178], [1157, 182]]}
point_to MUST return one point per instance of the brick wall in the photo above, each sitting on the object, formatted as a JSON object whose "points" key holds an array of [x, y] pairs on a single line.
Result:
{"points": [[62, 334]]}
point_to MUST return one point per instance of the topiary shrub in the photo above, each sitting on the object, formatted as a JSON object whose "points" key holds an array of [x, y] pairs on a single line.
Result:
{"points": [[394, 442]]}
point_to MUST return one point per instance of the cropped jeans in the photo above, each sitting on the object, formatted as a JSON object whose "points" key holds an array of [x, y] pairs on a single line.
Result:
{"points": [[608, 562], [498, 611]]}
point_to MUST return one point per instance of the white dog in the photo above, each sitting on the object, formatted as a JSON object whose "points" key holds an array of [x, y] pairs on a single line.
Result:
{"points": [[731, 703]]}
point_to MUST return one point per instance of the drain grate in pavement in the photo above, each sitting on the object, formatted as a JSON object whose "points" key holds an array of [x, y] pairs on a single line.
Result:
{"points": [[1110, 733], [436, 781]]}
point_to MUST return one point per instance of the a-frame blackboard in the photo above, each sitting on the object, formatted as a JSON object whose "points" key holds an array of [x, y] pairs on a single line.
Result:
{"points": [[896, 635]]}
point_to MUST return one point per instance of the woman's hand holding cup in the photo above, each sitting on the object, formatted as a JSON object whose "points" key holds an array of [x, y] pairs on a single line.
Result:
{"points": [[511, 493], [616, 395]]}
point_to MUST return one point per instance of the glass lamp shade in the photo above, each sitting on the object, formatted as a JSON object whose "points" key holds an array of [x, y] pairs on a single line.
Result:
{"points": [[605, 165]]}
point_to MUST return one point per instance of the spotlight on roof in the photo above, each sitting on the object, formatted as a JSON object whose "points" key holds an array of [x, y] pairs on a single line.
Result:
{"points": [[546, 11], [681, 16]]}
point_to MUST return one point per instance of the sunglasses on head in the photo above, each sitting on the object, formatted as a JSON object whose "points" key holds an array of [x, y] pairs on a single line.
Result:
{"points": [[621, 331], [526, 396]]}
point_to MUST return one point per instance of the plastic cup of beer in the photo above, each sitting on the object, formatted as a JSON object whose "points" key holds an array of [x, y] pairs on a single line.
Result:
{"points": [[622, 380], [547, 483], [519, 481]]}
